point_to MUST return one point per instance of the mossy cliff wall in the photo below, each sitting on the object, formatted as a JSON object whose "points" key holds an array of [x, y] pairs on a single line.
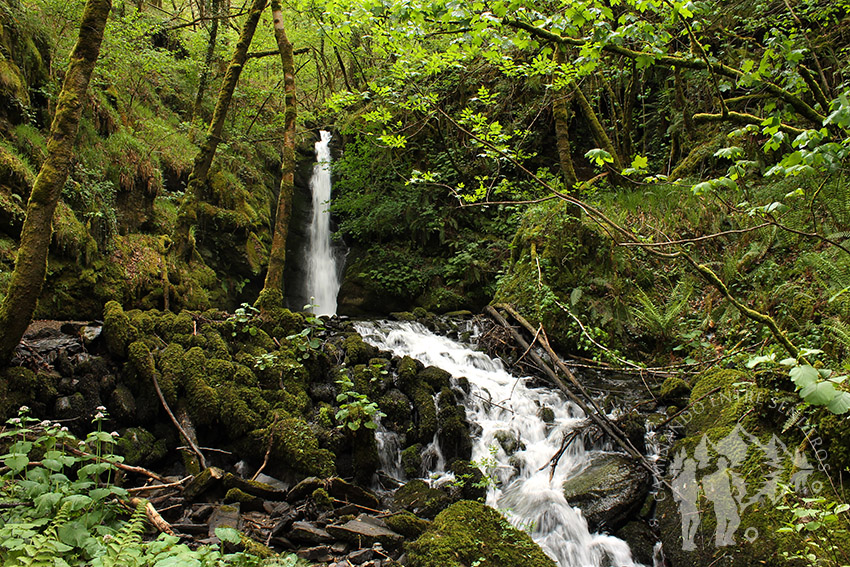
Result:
{"points": [[723, 498]]}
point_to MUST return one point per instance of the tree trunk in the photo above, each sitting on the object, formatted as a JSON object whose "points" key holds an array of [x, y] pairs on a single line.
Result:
{"points": [[31, 262], [205, 71], [188, 213], [277, 255], [562, 117], [596, 127]]}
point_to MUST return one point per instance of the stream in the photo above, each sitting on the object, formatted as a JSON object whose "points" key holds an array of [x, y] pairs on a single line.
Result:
{"points": [[501, 405], [322, 275]]}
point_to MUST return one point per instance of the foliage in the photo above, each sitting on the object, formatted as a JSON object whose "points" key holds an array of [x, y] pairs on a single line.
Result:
{"points": [[355, 409], [59, 521], [819, 525]]}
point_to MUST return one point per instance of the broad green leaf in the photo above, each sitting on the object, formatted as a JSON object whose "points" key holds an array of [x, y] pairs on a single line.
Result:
{"points": [[840, 404], [803, 376], [819, 393], [228, 535], [16, 463]]}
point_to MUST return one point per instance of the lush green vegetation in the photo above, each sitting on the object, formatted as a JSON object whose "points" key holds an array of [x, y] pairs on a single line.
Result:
{"points": [[658, 183]]}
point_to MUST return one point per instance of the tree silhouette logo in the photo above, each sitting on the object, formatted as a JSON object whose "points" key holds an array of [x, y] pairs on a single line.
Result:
{"points": [[713, 471]]}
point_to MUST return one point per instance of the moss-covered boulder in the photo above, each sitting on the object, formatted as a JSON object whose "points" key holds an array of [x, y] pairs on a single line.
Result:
{"points": [[470, 533], [419, 498]]}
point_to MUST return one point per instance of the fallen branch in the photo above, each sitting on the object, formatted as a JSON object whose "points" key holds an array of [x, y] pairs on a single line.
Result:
{"points": [[202, 461], [158, 486], [153, 516]]}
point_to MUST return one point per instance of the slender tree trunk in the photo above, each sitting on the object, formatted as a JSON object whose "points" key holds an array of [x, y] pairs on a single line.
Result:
{"points": [[188, 213], [205, 71], [596, 127], [277, 255], [562, 118], [31, 262]]}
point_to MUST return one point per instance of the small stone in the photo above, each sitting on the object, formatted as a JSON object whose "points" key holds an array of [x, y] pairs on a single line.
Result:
{"points": [[359, 532], [309, 533], [360, 556], [254, 487], [321, 553], [339, 547], [226, 515], [303, 489]]}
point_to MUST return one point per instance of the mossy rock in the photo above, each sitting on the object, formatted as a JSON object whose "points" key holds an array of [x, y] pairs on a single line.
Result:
{"points": [[411, 460], [296, 447], [470, 533], [674, 389], [419, 498], [357, 351], [407, 524], [246, 501], [140, 447], [424, 415], [435, 377], [453, 432], [407, 370], [118, 332]]}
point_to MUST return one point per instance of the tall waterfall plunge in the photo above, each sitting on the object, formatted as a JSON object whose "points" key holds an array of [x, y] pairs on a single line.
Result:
{"points": [[322, 278], [500, 403]]}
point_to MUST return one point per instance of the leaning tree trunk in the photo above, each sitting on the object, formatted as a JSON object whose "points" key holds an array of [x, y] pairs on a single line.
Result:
{"points": [[277, 255], [561, 115], [188, 213], [596, 128], [208, 59], [31, 262]]}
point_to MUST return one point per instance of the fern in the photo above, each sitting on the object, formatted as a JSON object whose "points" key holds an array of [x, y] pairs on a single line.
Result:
{"points": [[662, 320], [124, 549]]}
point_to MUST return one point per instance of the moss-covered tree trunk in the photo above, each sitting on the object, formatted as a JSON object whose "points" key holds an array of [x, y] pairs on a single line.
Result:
{"points": [[277, 255], [187, 216], [596, 128], [562, 117], [205, 71], [31, 262]]}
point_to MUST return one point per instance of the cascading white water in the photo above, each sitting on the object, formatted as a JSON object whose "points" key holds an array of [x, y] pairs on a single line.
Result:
{"points": [[502, 405], [322, 279]]}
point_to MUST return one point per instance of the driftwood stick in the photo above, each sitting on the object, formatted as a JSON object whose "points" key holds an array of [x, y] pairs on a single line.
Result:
{"points": [[153, 516], [158, 486], [201, 460]]}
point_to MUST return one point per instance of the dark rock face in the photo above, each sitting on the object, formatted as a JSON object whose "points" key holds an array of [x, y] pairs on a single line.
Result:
{"points": [[608, 490]]}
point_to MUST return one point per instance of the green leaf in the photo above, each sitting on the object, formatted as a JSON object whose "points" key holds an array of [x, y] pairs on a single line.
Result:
{"points": [[599, 156], [840, 404], [819, 393], [803, 376], [46, 502], [756, 360], [16, 463], [228, 535], [640, 162]]}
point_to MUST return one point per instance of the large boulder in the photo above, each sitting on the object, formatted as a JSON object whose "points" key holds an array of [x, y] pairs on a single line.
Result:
{"points": [[470, 533], [610, 488]]}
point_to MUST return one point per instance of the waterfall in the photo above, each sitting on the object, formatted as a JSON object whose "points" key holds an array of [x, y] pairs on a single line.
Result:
{"points": [[523, 492], [322, 279]]}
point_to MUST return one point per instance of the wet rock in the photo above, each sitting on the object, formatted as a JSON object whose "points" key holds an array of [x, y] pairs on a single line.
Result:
{"points": [[641, 541], [320, 553], [225, 516], [273, 482], [360, 556], [411, 460], [253, 487], [420, 499], [674, 390], [608, 490], [469, 482], [70, 407], [309, 533], [122, 403], [437, 378], [304, 489], [453, 430], [547, 414], [510, 441], [347, 492], [247, 501], [362, 531]]}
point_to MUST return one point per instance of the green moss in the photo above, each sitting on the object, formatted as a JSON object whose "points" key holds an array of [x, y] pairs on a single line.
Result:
{"points": [[357, 351], [237, 417], [118, 332], [407, 524], [674, 388], [296, 447], [435, 377], [411, 460], [139, 447], [424, 414], [202, 400], [247, 501], [469, 533], [322, 499]]}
